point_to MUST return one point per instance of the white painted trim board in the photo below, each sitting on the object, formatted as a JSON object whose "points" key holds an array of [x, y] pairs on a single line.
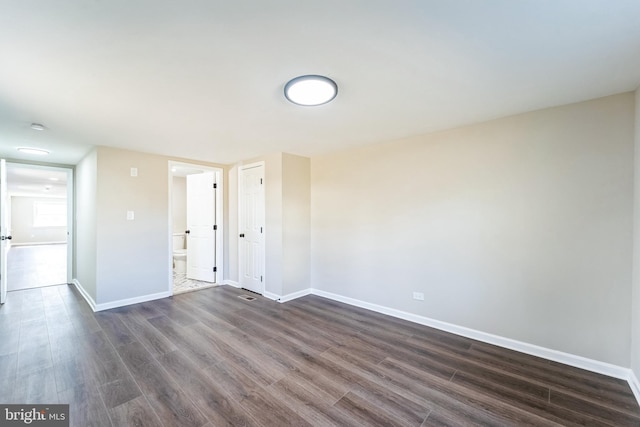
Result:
{"points": [[534, 350], [119, 303]]}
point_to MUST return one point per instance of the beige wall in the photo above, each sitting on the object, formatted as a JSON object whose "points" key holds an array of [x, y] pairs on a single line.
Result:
{"points": [[231, 231], [119, 259], [287, 232], [519, 227], [22, 229], [296, 219], [132, 256], [635, 329], [86, 223], [179, 204]]}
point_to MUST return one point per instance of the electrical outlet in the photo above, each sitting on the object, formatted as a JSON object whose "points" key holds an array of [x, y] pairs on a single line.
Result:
{"points": [[419, 296], [130, 216]]}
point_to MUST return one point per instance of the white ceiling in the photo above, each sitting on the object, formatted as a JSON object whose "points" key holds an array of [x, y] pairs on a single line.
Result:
{"points": [[36, 181], [203, 79]]}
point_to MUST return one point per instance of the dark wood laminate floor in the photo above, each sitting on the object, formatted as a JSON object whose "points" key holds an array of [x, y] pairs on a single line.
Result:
{"points": [[209, 358]]}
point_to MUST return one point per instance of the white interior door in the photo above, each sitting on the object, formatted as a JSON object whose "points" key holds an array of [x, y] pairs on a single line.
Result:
{"points": [[201, 227], [251, 228], [4, 231]]}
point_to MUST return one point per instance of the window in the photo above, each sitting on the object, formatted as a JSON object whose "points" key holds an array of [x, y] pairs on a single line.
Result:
{"points": [[50, 214]]}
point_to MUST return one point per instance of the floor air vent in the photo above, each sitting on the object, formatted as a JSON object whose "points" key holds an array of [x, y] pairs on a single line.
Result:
{"points": [[246, 297]]}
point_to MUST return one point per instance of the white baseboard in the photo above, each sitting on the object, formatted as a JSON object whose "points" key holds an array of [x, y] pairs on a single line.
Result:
{"points": [[38, 243], [84, 294], [634, 384], [231, 283], [271, 295], [134, 300], [294, 295], [534, 350], [118, 303]]}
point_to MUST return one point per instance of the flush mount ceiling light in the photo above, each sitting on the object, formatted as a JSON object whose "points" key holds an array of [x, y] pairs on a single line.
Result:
{"points": [[310, 90], [36, 151], [37, 126]]}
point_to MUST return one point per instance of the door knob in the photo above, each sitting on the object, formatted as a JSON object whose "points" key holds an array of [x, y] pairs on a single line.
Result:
{"points": [[187, 232], [242, 235]]}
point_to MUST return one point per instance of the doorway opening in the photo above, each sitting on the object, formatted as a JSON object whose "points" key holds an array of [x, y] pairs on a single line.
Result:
{"points": [[38, 205], [195, 226]]}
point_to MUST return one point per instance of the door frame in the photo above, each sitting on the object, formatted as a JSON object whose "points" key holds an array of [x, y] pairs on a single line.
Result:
{"points": [[70, 171], [219, 179], [264, 235]]}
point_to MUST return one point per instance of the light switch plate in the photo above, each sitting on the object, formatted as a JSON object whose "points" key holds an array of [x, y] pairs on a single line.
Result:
{"points": [[130, 215], [134, 171]]}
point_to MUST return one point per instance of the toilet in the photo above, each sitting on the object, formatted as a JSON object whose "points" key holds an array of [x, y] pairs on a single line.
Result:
{"points": [[179, 253]]}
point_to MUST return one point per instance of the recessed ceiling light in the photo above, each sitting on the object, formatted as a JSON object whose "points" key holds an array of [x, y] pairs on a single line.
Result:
{"points": [[37, 126], [36, 151], [310, 90]]}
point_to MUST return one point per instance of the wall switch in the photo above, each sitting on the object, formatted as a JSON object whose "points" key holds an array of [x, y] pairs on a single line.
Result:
{"points": [[134, 171], [419, 296], [130, 216]]}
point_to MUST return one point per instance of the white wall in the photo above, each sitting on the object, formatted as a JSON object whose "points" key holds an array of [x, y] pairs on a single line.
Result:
{"points": [[179, 204], [86, 223], [22, 230], [635, 329], [519, 227]]}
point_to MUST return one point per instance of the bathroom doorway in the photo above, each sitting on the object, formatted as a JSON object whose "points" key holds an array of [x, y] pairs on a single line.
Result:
{"points": [[195, 223]]}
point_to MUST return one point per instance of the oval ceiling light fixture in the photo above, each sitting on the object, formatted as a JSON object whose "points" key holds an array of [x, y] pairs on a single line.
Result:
{"points": [[36, 151], [37, 126], [310, 90]]}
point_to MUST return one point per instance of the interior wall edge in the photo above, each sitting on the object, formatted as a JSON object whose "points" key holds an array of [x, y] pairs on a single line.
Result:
{"points": [[85, 294]]}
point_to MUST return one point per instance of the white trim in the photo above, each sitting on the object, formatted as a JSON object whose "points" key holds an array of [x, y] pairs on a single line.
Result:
{"points": [[119, 303], [288, 297], [129, 301], [271, 295], [534, 350], [64, 242], [219, 180], [634, 384], [231, 283], [84, 294]]}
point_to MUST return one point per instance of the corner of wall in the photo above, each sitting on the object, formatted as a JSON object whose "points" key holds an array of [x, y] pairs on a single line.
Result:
{"points": [[635, 299]]}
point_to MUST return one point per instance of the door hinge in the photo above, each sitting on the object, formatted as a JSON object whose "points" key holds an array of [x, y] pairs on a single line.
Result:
{"points": [[215, 227], [260, 180], [215, 185], [260, 230], [215, 269], [261, 278]]}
